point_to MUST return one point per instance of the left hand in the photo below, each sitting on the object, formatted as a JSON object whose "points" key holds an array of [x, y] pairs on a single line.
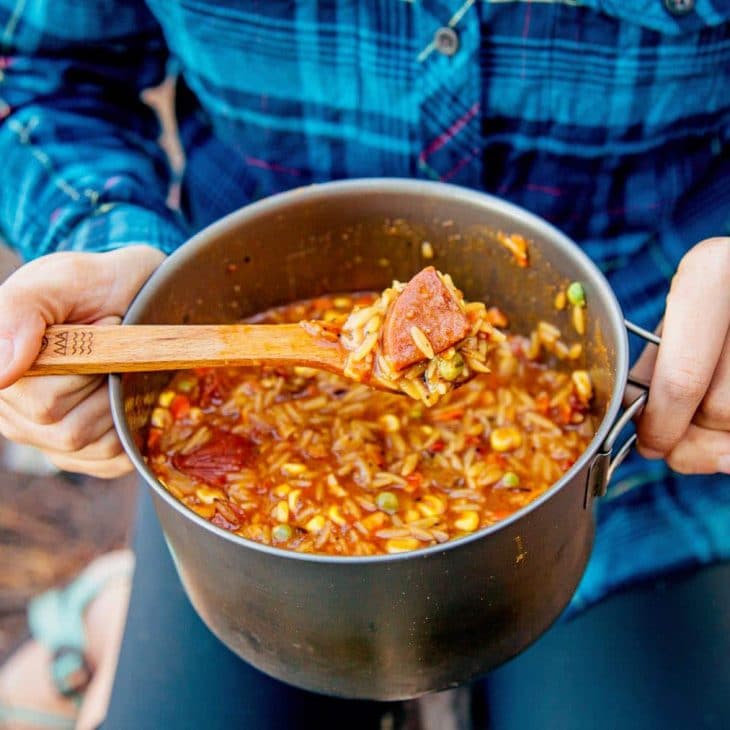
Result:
{"points": [[687, 418]]}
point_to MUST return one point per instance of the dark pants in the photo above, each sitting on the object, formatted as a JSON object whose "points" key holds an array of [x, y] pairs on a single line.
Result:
{"points": [[656, 657]]}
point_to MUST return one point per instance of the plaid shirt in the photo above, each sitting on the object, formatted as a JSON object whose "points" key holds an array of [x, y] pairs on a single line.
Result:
{"points": [[610, 118]]}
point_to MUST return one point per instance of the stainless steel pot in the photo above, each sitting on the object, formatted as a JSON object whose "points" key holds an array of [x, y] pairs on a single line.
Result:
{"points": [[385, 627]]}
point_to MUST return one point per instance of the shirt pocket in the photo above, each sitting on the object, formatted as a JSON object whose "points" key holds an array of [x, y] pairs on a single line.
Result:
{"points": [[665, 73], [669, 17]]}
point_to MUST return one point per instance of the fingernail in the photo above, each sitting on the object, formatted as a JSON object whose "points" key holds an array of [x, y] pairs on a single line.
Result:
{"points": [[723, 464], [6, 353]]}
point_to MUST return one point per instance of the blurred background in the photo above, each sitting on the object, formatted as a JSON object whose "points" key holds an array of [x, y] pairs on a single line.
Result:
{"points": [[52, 524]]}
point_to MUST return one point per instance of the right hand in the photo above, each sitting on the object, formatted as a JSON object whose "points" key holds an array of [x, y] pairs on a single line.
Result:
{"points": [[66, 416]]}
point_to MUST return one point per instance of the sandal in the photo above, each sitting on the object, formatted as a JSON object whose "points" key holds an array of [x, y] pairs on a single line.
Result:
{"points": [[56, 620]]}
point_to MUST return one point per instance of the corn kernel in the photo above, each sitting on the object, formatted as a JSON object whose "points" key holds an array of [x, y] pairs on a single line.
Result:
{"points": [[335, 489], [506, 438], [575, 351], [315, 524], [412, 515], [401, 544], [208, 495], [195, 415], [304, 372], [390, 423], [579, 319], [206, 511], [335, 515], [342, 302], [292, 469], [468, 522], [583, 386], [426, 250], [373, 521], [282, 490], [281, 512], [293, 499], [560, 300], [161, 418], [166, 397], [431, 505]]}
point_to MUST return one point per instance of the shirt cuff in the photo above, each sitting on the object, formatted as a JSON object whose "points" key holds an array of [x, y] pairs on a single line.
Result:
{"points": [[115, 225]]}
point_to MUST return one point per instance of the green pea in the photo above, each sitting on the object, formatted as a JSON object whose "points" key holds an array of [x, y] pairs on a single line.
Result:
{"points": [[576, 294], [387, 501], [185, 385], [451, 369], [281, 533], [510, 479]]}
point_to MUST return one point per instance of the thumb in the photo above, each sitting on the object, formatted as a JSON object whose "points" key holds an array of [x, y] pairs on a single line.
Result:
{"points": [[65, 288]]}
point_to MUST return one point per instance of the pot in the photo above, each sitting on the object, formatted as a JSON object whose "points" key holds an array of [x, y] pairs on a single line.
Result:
{"points": [[392, 626]]}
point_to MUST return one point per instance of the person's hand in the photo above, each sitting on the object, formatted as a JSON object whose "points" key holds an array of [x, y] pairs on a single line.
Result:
{"points": [[687, 418], [66, 416]]}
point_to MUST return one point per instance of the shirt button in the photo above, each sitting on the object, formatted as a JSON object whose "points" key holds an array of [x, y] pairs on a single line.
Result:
{"points": [[446, 41], [679, 7]]}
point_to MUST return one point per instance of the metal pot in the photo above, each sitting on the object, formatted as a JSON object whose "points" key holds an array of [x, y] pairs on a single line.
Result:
{"points": [[396, 626]]}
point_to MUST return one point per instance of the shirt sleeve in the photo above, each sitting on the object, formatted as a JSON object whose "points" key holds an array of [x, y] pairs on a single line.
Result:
{"points": [[80, 166]]}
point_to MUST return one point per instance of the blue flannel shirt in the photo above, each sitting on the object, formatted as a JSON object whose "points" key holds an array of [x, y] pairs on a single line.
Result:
{"points": [[609, 118]]}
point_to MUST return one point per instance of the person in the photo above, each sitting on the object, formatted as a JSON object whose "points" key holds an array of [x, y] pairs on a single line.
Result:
{"points": [[610, 120]]}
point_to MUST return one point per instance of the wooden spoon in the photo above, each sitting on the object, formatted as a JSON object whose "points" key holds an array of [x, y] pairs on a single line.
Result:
{"points": [[91, 349]]}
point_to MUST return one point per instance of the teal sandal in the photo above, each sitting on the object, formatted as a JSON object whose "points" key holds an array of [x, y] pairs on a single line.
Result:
{"points": [[56, 620]]}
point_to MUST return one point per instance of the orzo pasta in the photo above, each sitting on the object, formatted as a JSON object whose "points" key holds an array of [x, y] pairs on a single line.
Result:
{"points": [[310, 461], [421, 338]]}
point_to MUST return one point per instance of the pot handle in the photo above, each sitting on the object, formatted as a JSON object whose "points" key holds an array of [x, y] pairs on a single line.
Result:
{"points": [[605, 462]]}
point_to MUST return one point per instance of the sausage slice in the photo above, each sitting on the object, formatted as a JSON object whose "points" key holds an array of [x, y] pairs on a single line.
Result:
{"points": [[428, 304]]}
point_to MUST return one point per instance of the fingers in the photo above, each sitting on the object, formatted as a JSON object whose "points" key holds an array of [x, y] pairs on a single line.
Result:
{"points": [[695, 327], [106, 447], [65, 287], [714, 412], [104, 469], [701, 451], [48, 399], [81, 426]]}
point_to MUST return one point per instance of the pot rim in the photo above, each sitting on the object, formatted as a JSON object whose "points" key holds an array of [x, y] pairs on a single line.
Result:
{"points": [[395, 186]]}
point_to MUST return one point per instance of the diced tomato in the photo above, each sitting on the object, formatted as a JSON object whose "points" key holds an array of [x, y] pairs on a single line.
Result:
{"points": [[494, 458], [414, 481], [180, 407], [473, 440], [497, 317], [565, 414], [437, 446], [452, 414], [542, 403], [153, 437]]}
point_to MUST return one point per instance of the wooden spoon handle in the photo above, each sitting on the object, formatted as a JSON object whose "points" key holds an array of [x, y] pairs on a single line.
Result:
{"points": [[91, 349]]}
